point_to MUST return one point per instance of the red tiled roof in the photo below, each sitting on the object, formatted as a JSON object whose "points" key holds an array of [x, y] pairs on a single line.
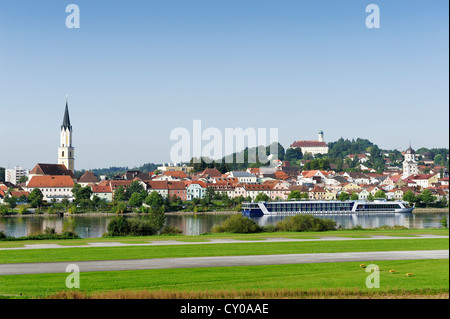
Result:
{"points": [[51, 181], [88, 177], [176, 174], [309, 144], [19, 193], [101, 189]]}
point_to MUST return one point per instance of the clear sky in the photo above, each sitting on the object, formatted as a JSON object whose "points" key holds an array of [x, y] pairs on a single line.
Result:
{"points": [[136, 70]]}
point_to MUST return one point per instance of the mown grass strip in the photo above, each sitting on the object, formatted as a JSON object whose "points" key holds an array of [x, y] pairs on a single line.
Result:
{"points": [[430, 277], [228, 249]]}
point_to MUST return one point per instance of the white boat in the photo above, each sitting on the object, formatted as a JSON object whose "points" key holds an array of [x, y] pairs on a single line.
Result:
{"points": [[325, 207]]}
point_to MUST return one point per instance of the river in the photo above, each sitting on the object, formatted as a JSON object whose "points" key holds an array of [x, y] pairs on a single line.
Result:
{"points": [[94, 226]]}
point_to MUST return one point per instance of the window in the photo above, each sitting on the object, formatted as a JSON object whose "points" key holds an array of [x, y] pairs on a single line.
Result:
{"points": [[62, 154]]}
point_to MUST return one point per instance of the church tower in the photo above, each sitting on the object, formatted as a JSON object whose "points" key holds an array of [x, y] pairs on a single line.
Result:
{"points": [[410, 165], [321, 136], [65, 150]]}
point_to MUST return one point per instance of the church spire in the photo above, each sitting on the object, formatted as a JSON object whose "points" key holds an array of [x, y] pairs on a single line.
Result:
{"points": [[66, 119]]}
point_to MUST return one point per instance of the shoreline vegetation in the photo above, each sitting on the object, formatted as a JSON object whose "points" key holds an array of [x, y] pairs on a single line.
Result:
{"points": [[219, 212]]}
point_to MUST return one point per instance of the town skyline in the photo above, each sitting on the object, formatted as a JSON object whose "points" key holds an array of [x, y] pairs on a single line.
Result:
{"points": [[135, 73]]}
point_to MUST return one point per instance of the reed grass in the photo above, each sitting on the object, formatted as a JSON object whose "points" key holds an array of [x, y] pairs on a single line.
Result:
{"points": [[337, 293]]}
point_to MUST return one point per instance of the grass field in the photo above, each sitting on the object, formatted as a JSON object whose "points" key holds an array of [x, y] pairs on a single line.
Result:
{"points": [[322, 280], [430, 277], [205, 237], [238, 249]]}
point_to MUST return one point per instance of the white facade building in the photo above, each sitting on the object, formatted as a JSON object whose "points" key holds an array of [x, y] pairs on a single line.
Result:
{"points": [[13, 175], [410, 165]]}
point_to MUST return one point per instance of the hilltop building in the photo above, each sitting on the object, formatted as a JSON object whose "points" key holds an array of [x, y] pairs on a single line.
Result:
{"points": [[312, 147]]}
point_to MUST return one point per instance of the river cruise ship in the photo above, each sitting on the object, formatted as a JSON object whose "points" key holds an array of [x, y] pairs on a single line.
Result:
{"points": [[324, 207]]}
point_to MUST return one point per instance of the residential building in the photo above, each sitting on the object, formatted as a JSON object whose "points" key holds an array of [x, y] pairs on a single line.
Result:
{"points": [[195, 189], [177, 189], [103, 192], [243, 177], [88, 178], [13, 175]]}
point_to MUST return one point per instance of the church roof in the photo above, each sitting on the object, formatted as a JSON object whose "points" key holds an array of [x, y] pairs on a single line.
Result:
{"points": [[309, 144], [410, 150], [51, 169], [66, 119], [51, 181]]}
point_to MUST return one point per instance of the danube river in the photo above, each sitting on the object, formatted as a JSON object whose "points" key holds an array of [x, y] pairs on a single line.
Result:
{"points": [[92, 226]]}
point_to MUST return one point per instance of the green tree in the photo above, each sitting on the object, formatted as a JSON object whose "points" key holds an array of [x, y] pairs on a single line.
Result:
{"points": [[295, 194], [154, 199], [380, 194], [343, 196], [427, 197], [262, 197], [82, 194], [11, 201], [36, 198], [293, 155], [135, 200], [119, 194], [135, 187], [409, 197], [354, 196]]}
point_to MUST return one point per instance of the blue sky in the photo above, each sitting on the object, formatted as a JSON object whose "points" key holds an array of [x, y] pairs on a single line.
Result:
{"points": [[136, 70]]}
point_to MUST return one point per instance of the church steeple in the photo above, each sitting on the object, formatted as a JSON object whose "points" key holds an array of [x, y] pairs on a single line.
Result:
{"points": [[66, 119], [66, 150]]}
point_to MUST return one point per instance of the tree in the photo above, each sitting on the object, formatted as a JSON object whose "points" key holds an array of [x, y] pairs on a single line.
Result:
{"points": [[426, 196], [354, 196], [36, 198], [262, 197], [293, 154], [295, 194], [119, 194], [23, 179], [409, 197], [154, 199], [380, 194], [135, 200], [343, 196], [11, 201], [135, 187], [81, 194]]}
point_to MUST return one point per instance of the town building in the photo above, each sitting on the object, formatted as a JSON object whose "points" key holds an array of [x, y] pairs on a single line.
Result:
{"points": [[410, 164], [312, 147], [13, 175], [53, 187]]}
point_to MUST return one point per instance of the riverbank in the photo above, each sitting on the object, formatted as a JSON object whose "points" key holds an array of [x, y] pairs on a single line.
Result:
{"points": [[430, 210], [181, 213]]}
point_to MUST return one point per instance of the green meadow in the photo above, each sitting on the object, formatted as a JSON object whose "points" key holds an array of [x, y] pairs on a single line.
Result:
{"points": [[322, 280], [202, 250], [430, 277]]}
